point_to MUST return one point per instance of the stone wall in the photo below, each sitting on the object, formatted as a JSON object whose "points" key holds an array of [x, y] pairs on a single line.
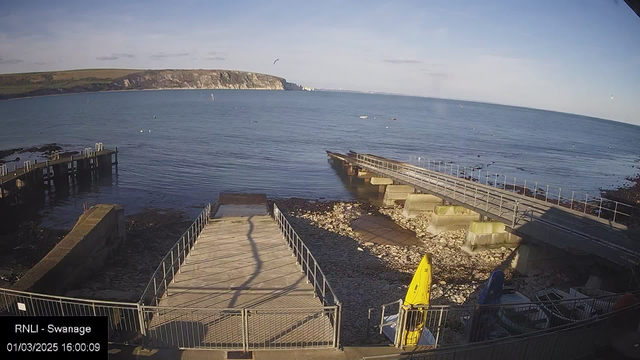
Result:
{"points": [[95, 236]]}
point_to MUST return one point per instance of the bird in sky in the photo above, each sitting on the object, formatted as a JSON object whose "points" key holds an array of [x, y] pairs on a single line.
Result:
{"points": [[612, 100], [275, 61]]}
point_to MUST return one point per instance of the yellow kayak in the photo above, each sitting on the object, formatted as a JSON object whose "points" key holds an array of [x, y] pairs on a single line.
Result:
{"points": [[418, 294]]}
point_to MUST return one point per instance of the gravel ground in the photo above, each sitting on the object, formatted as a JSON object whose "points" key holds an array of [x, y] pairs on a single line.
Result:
{"points": [[366, 275]]}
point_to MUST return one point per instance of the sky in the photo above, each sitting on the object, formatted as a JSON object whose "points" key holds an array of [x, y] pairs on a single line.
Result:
{"points": [[563, 55]]}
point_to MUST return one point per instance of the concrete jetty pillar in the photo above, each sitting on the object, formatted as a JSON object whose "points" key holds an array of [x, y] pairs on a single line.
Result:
{"points": [[362, 174], [447, 218], [83, 167], [489, 234], [382, 183], [60, 171], [352, 170], [104, 163], [417, 204], [531, 257], [396, 192]]}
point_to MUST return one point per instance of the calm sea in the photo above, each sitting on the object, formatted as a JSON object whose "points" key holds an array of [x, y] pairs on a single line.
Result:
{"points": [[178, 149]]}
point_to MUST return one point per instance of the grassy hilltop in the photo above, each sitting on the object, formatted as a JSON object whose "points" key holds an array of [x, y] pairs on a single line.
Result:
{"points": [[86, 80]]}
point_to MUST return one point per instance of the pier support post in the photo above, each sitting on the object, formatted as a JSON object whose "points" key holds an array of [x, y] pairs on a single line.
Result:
{"points": [[396, 192], [104, 163], [417, 204], [447, 218], [489, 234], [382, 183]]}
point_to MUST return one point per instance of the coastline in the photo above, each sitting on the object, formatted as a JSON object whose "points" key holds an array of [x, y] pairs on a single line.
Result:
{"points": [[125, 90]]}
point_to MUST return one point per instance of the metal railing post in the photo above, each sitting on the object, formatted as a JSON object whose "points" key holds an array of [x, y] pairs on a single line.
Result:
{"points": [[572, 194], [496, 184], [173, 274], [600, 209], [615, 211], [515, 211], [435, 345], [504, 186], [546, 194], [164, 278], [586, 199], [179, 270], [143, 326]]}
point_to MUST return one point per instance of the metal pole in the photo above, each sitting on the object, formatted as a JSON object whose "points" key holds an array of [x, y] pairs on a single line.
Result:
{"points": [[586, 198], [546, 194], [559, 195], [439, 325], [496, 184], [515, 211], [514, 184], [615, 211], [572, 194], [504, 187], [458, 171], [486, 180], [143, 328], [600, 209], [525, 187]]}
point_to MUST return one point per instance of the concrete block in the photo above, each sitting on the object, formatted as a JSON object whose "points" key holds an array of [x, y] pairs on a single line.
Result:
{"points": [[529, 257], [419, 203], [488, 234], [446, 218], [364, 174], [396, 192], [381, 181]]}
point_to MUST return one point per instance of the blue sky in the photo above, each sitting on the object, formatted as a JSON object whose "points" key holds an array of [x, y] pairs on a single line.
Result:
{"points": [[568, 55]]}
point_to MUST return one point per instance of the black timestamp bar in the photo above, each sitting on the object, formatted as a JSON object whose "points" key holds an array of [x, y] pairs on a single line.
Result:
{"points": [[32, 337]]}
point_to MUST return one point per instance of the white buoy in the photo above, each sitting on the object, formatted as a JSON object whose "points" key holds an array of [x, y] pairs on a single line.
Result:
{"points": [[141, 130]]}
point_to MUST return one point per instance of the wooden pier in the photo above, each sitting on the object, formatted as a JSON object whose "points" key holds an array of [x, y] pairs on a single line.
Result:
{"points": [[36, 174]]}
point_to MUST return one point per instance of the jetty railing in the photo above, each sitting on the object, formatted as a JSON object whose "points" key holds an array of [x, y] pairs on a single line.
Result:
{"points": [[595, 205], [310, 267], [171, 263]]}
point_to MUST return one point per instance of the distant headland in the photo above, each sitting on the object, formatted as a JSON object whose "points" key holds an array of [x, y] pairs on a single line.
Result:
{"points": [[89, 80]]}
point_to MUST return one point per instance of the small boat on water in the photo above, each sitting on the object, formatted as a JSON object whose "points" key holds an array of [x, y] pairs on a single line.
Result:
{"points": [[212, 98], [364, 116], [522, 317]]}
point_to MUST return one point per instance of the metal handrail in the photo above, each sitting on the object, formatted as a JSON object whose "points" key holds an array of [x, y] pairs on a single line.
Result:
{"points": [[300, 248], [65, 298], [187, 240], [540, 192], [512, 209]]}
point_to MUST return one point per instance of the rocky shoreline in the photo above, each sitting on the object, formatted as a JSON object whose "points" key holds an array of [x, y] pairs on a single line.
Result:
{"points": [[365, 275]]}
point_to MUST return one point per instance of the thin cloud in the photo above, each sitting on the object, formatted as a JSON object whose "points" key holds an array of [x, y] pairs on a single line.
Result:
{"points": [[107, 58], [162, 56], [402, 61], [43, 62], [124, 55], [215, 58], [436, 74], [9, 61]]}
